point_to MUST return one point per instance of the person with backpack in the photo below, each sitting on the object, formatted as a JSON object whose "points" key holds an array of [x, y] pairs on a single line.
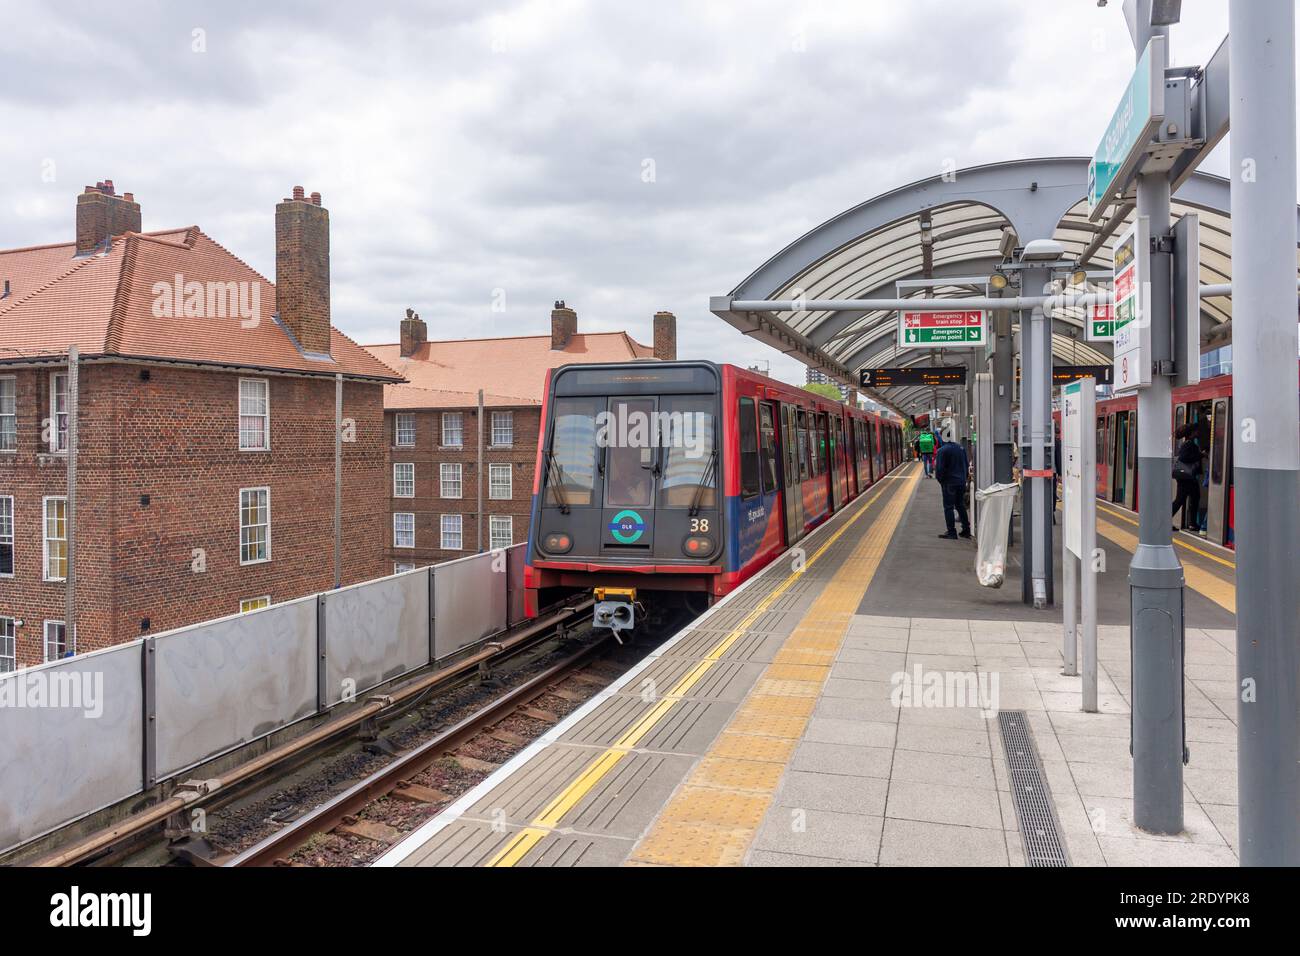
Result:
{"points": [[925, 445], [1187, 469]]}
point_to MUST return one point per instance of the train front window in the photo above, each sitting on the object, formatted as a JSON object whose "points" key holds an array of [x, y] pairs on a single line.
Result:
{"points": [[629, 453], [689, 462], [570, 468]]}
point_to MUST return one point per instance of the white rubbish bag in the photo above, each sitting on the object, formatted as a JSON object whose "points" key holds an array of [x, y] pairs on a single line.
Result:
{"points": [[995, 504]]}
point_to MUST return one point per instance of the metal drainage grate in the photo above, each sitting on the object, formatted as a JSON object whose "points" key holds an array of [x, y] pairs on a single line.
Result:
{"points": [[1038, 824]]}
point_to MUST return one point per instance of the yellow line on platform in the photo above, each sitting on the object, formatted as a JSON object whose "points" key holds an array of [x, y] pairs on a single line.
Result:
{"points": [[522, 842], [714, 816], [1122, 516], [1221, 592]]}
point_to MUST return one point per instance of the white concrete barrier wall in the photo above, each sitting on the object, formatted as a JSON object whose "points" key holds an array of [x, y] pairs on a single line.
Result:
{"points": [[78, 749], [229, 681], [375, 632], [469, 596], [224, 683]]}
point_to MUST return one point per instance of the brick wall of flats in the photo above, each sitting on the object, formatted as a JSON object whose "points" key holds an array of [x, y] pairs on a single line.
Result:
{"points": [[428, 453], [174, 437]]}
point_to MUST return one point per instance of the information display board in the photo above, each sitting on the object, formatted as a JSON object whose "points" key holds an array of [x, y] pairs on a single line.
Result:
{"points": [[1132, 293]]}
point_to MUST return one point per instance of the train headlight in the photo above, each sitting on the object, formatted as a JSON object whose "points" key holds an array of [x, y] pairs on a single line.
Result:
{"points": [[697, 546], [557, 543]]}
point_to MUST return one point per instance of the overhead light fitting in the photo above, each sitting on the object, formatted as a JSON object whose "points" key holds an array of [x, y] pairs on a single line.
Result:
{"points": [[1042, 250], [998, 281]]}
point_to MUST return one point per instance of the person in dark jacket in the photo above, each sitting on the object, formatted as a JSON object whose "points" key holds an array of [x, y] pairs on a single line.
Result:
{"points": [[1187, 476], [950, 467]]}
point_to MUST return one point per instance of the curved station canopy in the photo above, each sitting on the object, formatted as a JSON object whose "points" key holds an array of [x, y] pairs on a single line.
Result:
{"points": [[960, 226]]}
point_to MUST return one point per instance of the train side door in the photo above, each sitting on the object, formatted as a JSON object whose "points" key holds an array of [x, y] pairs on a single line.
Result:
{"points": [[1220, 471], [1130, 459], [792, 495], [833, 445]]}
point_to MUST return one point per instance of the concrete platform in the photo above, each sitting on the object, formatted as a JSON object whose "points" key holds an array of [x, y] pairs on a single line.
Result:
{"points": [[774, 730], [925, 576]]}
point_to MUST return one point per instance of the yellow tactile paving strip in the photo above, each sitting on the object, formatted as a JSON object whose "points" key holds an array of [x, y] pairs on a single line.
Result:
{"points": [[720, 773], [714, 816], [1221, 592]]}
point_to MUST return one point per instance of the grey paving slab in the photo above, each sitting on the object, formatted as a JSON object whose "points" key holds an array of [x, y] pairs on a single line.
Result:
{"points": [[912, 766], [944, 740], [820, 833], [834, 792], [914, 843], [842, 759], [859, 733], [769, 858], [932, 803]]}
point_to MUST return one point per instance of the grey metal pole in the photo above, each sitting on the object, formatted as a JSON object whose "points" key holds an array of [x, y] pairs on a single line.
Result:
{"points": [[1266, 446], [70, 504], [1155, 575], [1088, 545], [480, 472], [338, 480], [1003, 373], [1035, 418], [1069, 581]]}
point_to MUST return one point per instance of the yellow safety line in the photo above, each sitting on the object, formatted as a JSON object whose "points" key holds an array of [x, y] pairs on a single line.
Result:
{"points": [[518, 846], [1178, 541], [714, 815], [1212, 586]]}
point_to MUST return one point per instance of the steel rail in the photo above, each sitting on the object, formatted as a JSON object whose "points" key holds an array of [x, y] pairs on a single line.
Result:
{"points": [[278, 846], [102, 841]]}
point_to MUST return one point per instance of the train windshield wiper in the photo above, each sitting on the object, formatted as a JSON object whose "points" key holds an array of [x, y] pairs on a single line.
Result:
{"points": [[706, 481], [555, 475]]}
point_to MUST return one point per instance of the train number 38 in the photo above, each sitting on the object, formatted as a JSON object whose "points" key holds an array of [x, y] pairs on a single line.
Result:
{"points": [[699, 524]]}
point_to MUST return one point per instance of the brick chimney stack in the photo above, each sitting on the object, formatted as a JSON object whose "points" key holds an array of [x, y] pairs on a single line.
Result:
{"points": [[665, 336], [302, 269], [414, 333], [564, 326], [102, 214]]}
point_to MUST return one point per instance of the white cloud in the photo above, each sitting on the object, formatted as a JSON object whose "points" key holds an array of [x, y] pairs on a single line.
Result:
{"points": [[465, 147]]}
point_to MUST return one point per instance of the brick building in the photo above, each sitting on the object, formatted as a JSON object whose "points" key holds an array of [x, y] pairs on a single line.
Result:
{"points": [[204, 422], [432, 427]]}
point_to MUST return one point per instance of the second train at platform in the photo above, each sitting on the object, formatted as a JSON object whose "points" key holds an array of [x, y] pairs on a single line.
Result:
{"points": [[667, 483]]}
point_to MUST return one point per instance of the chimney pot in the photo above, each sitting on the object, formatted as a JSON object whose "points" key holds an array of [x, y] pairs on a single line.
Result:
{"points": [[297, 192], [315, 199]]}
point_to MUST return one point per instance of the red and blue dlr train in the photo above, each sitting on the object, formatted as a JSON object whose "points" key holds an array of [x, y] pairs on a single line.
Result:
{"points": [[669, 483]]}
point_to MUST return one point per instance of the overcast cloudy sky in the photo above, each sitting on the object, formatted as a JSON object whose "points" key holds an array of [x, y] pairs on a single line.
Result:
{"points": [[464, 147]]}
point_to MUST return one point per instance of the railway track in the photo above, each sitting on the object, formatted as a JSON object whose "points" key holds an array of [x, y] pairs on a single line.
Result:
{"points": [[359, 817], [435, 736], [161, 832]]}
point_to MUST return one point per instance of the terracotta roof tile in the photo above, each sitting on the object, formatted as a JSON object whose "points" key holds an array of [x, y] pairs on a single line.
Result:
{"points": [[411, 396], [104, 303], [503, 366]]}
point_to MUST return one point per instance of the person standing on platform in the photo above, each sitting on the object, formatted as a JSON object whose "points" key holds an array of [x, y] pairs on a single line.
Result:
{"points": [[1187, 476], [925, 445], [950, 469]]}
